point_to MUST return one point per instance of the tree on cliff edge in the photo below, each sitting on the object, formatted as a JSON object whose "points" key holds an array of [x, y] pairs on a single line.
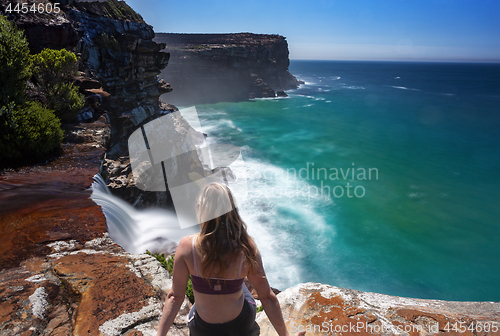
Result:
{"points": [[27, 129], [15, 63], [54, 72]]}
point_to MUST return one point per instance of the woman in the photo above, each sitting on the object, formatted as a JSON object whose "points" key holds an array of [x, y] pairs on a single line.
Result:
{"points": [[218, 259]]}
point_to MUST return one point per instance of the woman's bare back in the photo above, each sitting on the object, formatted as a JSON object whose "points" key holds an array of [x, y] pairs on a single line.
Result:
{"points": [[218, 308]]}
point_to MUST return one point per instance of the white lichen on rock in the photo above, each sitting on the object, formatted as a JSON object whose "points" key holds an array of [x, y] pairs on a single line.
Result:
{"points": [[59, 246], [100, 242], [36, 278], [39, 304], [125, 321], [134, 270], [151, 268]]}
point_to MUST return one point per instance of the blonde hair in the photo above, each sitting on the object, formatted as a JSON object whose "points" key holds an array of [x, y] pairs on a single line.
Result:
{"points": [[223, 234]]}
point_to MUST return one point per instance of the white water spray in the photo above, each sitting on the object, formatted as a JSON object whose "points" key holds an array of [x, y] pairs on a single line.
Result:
{"points": [[155, 230]]}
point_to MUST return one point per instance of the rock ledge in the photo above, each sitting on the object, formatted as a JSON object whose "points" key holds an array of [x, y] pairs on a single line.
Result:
{"points": [[321, 309]]}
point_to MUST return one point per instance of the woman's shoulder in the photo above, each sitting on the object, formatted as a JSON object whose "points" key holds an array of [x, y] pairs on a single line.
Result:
{"points": [[188, 239], [185, 244], [253, 245]]}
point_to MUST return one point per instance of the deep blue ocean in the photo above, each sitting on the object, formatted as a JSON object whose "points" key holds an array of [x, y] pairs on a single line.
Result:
{"points": [[375, 176]]}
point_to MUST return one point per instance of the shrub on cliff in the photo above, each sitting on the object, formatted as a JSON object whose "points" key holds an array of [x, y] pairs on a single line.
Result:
{"points": [[54, 73], [28, 131], [113, 9], [168, 264], [15, 63]]}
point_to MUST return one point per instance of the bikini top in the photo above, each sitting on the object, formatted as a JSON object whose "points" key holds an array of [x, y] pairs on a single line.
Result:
{"points": [[215, 285]]}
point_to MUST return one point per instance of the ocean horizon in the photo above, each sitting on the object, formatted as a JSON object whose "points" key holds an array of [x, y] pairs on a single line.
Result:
{"points": [[374, 175], [416, 61]]}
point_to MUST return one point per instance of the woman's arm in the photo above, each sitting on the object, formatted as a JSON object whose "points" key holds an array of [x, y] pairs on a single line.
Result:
{"points": [[177, 293], [267, 297]]}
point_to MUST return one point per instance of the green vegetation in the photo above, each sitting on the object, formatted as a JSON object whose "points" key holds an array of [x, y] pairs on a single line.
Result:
{"points": [[54, 72], [55, 65], [113, 9], [15, 60], [31, 130], [120, 10], [106, 41], [168, 264], [28, 130], [260, 308]]}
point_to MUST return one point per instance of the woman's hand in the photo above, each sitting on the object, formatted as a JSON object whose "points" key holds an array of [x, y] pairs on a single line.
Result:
{"points": [[177, 293]]}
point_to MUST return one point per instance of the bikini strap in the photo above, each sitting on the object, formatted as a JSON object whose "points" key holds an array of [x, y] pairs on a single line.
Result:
{"points": [[194, 257], [241, 265]]}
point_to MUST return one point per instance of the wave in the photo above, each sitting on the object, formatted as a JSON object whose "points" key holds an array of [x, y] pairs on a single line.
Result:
{"points": [[403, 88], [269, 98], [305, 96], [274, 220], [415, 195], [212, 126], [353, 87], [281, 229]]}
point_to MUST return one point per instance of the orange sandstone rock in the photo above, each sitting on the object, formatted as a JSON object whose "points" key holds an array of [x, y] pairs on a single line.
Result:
{"points": [[326, 310], [93, 288]]}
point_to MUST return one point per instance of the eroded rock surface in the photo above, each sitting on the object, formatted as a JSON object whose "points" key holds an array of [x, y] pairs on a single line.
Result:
{"points": [[327, 310], [50, 202], [91, 288]]}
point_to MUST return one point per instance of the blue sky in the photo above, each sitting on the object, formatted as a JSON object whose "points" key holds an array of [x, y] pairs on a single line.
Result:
{"points": [[404, 30]]}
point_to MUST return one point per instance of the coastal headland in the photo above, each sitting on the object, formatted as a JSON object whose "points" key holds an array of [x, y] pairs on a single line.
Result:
{"points": [[209, 68], [62, 275]]}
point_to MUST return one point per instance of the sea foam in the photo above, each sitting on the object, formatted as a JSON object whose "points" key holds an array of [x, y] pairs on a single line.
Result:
{"points": [[279, 210], [280, 214]]}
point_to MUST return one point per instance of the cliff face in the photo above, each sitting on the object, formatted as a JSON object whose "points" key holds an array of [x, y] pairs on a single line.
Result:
{"points": [[207, 68], [43, 30], [117, 52], [121, 55], [115, 48]]}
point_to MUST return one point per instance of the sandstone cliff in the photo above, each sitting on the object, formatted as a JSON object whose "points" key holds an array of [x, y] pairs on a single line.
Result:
{"points": [[115, 49], [114, 44], [116, 52], [61, 276], [208, 68]]}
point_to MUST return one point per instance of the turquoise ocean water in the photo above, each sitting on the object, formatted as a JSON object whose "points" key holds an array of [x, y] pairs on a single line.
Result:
{"points": [[381, 177]]}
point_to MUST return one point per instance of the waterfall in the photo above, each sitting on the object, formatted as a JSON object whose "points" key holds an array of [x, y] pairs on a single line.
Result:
{"points": [[155, 230]]}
